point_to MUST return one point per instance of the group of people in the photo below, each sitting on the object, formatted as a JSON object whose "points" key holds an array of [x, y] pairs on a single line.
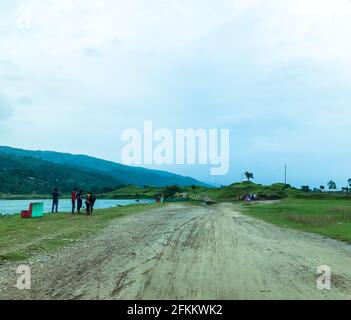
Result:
{"points": [[77, 201], [160, 199], [250, 197]]}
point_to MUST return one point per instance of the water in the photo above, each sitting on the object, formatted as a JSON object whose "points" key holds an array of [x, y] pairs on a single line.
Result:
{"points": [[65, 205]]}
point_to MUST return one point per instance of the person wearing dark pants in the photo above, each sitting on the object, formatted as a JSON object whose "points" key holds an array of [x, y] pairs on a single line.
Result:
{"points": [[79, 201], [74, 200], [93, 200], [55, 200], [89, 203]]}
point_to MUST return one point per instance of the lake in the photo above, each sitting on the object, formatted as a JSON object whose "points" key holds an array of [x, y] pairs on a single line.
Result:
{"points": [[12, 207]]}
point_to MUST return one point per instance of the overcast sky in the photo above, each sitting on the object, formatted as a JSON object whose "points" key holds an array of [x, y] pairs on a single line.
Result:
{"points": [[75, 73]]}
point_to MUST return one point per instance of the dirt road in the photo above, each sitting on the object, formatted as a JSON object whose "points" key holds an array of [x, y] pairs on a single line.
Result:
{"points": [[185, 252]]}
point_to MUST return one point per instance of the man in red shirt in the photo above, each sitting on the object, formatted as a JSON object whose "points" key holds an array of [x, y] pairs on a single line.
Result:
{"points": [[74, 199]]}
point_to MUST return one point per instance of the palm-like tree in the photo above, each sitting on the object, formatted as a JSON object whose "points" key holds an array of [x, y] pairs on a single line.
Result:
{"points": [[249, 175]]}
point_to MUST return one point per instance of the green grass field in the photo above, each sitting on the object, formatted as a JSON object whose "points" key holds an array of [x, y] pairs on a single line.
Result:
{"points": [[327, 217], [22, 238]]}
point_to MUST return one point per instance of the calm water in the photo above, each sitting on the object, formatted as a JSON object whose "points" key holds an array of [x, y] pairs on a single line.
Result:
{"points": [[16, 206]]}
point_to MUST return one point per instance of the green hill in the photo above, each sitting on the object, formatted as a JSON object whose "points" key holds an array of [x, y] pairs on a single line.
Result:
{"points": [[275, 191], [74, 168], [228, 193], [25, 175], [240, 189]]}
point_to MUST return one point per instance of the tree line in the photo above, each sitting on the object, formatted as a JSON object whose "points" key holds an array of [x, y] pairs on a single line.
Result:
{"points": [[331, 186]]}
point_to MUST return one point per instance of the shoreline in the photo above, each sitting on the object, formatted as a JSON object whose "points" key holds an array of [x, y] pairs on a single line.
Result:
{"points": [[14, 207], [68, 197]]}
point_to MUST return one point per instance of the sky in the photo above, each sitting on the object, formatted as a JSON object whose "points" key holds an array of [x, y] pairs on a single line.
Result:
{"points": [[74, 74]]}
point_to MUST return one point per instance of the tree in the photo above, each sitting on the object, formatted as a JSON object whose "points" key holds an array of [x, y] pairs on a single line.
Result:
{"points": [[349, 181], [306, 189], [332, 185], [322, 188], [170, 191], [249, 175]]}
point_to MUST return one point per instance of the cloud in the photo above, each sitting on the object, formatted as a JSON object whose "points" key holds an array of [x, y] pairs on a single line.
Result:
{"points": [[277, 73], [25, 101], [6, 110], [92, 52]]}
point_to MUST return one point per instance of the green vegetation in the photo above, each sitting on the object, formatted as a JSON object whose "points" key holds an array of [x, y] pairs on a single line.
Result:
{"points": [[237, 191], [133, 192], [249, 175], [146, 192], [22, 238], [277, 191], [171, 191], [9, 196], [332, 185], [229, 193], [117, 173], [24, 175], [234, 192], [328, 217]]}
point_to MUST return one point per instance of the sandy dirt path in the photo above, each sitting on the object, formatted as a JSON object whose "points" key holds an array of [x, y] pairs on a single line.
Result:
{"points": [[188, 252]]}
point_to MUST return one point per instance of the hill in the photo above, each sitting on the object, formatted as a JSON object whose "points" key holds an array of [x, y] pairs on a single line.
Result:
{"points": [[228, 193], [275, 191], [125, 175], [25, 175]]}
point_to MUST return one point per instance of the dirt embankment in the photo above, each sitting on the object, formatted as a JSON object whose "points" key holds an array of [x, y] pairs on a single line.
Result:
{"points": [[184, 252]]}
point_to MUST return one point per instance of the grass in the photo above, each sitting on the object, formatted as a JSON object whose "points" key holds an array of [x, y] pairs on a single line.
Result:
{"points": [[275, 191], [239, 190], [9, 196], [226, 193], [133, 192], [23, 238], [327, 217]]}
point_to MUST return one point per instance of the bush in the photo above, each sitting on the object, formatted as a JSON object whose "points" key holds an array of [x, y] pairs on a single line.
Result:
{"points": [[170, 191]]}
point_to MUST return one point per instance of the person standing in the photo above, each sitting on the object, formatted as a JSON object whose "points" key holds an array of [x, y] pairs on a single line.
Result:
{"points": [[93, 200], [79, 201], [89, 203], [74, 199], [55, 200]]}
